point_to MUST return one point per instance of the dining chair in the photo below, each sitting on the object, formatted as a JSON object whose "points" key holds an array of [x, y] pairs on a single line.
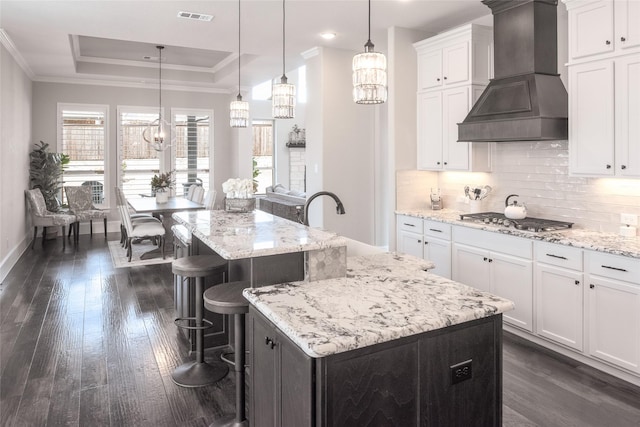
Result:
{"points": [[80, 199], [210, 200], [198, 194], [121, 200], [144, 229], [41, 217]]}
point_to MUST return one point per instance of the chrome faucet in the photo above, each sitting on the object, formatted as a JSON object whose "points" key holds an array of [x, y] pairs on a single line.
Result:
{"points": [[339, 206]]}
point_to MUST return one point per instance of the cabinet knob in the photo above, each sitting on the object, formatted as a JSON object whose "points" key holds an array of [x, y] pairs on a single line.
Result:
{"points": [[445, 77], [608, 42], [437, 163], [622, 39], [490, 260], [438, 79], [592, 286], [445, 163], [623, 167], [484, 259], [608, 166], [419, 241], [269, 342], [577, 282], [426, 243]]}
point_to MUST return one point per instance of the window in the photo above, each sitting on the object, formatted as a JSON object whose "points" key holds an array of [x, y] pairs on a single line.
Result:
{"points": [[263, 161], [192, 148], [138, 161], [82, 135]]}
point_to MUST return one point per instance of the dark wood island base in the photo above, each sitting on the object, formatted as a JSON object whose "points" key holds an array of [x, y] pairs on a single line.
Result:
{"points": [[446, 377]]}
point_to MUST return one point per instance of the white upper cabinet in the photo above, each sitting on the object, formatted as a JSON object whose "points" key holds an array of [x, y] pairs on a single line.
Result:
{"points": [[453, 69], [604, 87], [601, 27]]}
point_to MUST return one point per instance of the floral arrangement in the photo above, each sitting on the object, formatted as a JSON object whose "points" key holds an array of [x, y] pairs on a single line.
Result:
{"points": [[163, 182], [236, 188]]}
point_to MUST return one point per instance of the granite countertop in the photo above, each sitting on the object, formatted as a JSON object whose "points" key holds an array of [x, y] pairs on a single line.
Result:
{"points": [[580, 238], [254, 234], [384, 297]]}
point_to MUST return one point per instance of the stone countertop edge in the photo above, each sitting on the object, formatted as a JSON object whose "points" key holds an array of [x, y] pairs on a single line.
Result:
{"points": [[370, 306], [610, 243], [243, 245]]}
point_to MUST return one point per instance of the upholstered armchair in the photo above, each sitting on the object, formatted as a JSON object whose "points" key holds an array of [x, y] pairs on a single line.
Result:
{"points": [[41, 217], [80, 201]]}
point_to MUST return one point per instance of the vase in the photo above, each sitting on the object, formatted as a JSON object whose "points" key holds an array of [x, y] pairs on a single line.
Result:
{"points": [[162, 196]]}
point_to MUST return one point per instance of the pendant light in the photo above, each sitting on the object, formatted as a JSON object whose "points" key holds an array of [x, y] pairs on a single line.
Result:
{"points": [[158, 136], [239, 109], [369, 74], [283, 95]]}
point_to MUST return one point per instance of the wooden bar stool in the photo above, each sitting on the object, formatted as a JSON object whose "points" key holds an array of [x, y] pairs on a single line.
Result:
{"points": [[198, 373], [227, 299]]}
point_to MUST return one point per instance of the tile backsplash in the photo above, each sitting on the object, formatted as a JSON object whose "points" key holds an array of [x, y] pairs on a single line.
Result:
{"points": [[539, 173]]}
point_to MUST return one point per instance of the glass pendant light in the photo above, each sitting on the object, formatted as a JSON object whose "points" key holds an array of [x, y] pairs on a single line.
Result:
{"points": [[369, 74], [239, 109], [158, 136], [283, 95]]}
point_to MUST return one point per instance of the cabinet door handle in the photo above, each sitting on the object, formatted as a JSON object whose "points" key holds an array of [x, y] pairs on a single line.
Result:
{"points": [[608, 166], [556, 256], [485, 259], [591, 286], [608, 42], [419, 241], [445, 163], [438, 79], [269, 342], [408, 225], [426, 243], [490, 260], [614, 268], [437, 163], [622, 39], [577, 282], [445, 77], [436, 230], [623, 167]]}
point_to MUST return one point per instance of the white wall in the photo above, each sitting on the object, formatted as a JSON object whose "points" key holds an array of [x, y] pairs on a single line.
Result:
{"points": [[46, 96], [341, 146], [15, 145]]}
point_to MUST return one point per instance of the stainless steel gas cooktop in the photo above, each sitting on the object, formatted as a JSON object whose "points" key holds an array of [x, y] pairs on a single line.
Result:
{"points": [[528, 224]]}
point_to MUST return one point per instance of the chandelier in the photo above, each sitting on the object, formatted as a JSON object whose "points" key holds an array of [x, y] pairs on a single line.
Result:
{"points": [[158, 135]]}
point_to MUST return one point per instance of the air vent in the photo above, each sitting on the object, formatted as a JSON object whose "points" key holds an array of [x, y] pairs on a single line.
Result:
{"points": [[195, 16]]}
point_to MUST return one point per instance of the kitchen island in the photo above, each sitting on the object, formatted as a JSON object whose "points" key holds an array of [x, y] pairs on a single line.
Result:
{"points": [[389, 344]]}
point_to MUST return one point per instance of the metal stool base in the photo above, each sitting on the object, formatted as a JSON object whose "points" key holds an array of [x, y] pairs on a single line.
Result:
{"points": [[194, 374], [229, 421]]}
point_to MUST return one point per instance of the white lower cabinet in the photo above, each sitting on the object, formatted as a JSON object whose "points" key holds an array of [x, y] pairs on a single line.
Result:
{"points": [[430, 240], [439, 252], [479, 262], [559, 294], [410, 243], [613, 310]]}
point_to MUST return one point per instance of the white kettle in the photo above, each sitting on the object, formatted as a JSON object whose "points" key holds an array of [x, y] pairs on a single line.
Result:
{"points": [[514, 210]]}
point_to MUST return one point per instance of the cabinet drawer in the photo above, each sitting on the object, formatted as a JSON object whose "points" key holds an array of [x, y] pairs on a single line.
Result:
{"points": [[512, 245], [560, 255], [613, 266], [410, 223], [437, 229]]}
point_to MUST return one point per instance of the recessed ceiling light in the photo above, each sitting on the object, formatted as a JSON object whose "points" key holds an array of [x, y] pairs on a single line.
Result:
{"points": [[328, 36], [195, 15]]}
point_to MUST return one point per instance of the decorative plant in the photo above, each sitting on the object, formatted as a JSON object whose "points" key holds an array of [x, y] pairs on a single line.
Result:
{"points": [[45, 173], [236, 188], [162, 182], [256, 172]]}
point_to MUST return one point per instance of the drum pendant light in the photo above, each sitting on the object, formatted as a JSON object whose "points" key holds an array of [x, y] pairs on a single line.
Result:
{"points": [[283, 95], [239, 109], [369, 74]]}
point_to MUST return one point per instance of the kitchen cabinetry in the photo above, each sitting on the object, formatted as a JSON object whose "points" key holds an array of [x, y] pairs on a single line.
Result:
{"points": [[453, 69], [602, 27], [430, 240], [559, 294], [478, 260], [604, 88], [281, 379], [613, 309]]}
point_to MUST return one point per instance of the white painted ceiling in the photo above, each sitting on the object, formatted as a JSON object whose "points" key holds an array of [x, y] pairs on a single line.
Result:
{"points": [[105, 42]]}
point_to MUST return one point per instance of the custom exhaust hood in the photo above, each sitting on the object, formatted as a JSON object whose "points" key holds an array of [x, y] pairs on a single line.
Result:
{"points": [[526, 100]]}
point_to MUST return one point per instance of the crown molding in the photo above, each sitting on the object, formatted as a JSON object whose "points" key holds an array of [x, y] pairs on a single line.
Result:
{"points": [[8, 44], [135, 85]]}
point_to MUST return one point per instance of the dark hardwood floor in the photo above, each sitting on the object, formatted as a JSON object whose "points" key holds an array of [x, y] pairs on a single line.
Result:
{"points": [[84, 344]]}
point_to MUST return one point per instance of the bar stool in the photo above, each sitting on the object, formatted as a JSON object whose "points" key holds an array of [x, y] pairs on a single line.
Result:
{"points": [[227, 299], [198, 373]]}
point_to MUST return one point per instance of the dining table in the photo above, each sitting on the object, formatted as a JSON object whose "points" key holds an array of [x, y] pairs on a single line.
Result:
{"points": [[163, 212]]}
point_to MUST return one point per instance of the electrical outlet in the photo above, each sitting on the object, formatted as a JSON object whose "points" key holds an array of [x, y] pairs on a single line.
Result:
{"points": [[629, 219], [460, 372]]}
